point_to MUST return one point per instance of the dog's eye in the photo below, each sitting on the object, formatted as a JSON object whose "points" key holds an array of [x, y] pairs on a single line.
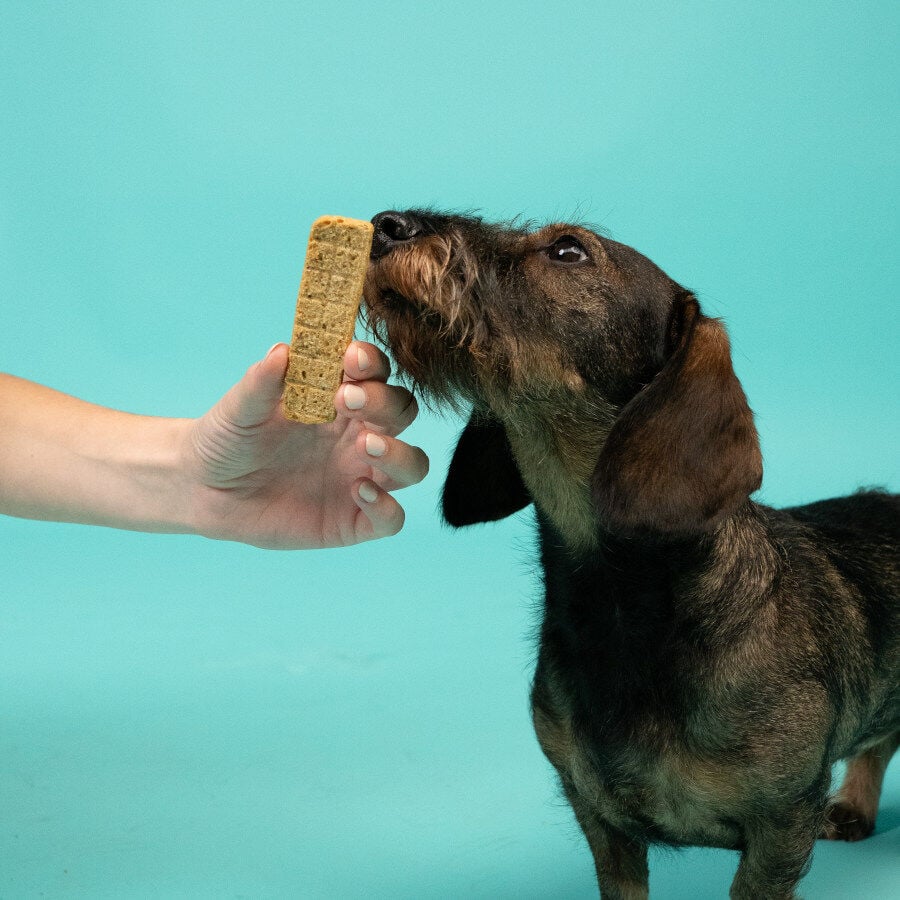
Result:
{"points": [[567, 250]]}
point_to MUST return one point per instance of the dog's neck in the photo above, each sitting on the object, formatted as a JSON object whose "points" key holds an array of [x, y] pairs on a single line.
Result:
{"points": [[721, 580], [556, 450]]}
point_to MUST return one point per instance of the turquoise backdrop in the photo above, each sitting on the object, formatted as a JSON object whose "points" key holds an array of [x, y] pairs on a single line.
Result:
{"points": [[184, 718]]}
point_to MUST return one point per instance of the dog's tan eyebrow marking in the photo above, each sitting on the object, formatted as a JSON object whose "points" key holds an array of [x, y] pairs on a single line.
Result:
{"points": [[549, 234]]}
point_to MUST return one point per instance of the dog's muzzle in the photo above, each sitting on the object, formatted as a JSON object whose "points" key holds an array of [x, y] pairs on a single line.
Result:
{"points": [[392, 229]]}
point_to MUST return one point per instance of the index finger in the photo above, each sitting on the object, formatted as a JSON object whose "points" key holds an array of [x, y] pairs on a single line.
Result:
{"points": [[365, 362]]}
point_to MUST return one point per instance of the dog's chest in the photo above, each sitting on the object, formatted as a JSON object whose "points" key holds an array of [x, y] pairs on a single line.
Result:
{"points": [[675, 798], [661, 794], [619, 705]]}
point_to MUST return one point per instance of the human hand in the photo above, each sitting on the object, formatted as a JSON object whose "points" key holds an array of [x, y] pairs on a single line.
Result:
{"points": [[259, 478]]}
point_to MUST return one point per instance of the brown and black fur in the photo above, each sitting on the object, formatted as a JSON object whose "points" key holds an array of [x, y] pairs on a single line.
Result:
{"points": [[704, 659]]}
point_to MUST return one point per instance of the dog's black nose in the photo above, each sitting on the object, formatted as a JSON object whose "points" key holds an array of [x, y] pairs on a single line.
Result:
{"points": [[392, 228]]}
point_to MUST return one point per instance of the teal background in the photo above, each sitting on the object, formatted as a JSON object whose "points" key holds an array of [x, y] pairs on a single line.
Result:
{"points": [[181, 718]]}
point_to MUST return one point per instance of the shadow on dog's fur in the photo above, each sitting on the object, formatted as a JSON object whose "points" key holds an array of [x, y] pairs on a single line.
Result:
{"points": [[704, 659]]}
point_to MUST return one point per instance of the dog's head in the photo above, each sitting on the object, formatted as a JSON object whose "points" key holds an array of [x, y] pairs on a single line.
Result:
{"points": [[599, 389]]}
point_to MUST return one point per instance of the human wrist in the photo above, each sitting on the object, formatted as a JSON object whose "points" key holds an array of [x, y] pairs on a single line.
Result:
{"points": [[129, 472], [151, 486]]}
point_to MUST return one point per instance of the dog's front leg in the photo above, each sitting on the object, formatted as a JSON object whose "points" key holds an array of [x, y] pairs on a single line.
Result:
{"points": [[621, 862], [777, 853], [621, 867]]}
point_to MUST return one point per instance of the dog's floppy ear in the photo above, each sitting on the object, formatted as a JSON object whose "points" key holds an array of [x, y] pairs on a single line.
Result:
{"points": [[483, 482], [683, 453]]}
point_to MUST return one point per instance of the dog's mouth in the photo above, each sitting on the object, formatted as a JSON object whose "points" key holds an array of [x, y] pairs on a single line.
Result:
{"points": [[414, 282], [391, 300], [387, 298], [416, 305], [399, 310]]}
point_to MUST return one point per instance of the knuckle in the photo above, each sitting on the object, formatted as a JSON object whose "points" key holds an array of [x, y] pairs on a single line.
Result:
{"points": [[423, 463], [395, 523], [382, 363], [410, 406]]}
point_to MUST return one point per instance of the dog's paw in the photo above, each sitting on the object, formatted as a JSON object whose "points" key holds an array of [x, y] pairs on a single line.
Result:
{"points": [[844, 822]]}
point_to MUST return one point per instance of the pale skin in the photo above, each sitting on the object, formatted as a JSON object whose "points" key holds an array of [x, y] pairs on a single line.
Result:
{"points": [[241, 472]]}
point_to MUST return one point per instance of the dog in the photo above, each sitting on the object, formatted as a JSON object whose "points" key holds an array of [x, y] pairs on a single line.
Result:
{"points": [[704, 659]]}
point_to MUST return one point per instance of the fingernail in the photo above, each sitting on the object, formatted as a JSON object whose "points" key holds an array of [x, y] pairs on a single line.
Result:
{"points": [[354, 396], [272, 349], [362, 359], [375, 445], [367, 492]]}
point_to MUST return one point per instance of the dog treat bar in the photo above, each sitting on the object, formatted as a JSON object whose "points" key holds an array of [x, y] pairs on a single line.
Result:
{"points": [[330, 291]]}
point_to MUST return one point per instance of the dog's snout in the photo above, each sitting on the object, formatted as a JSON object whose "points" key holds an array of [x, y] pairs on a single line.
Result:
{"points": [[392, 228]]}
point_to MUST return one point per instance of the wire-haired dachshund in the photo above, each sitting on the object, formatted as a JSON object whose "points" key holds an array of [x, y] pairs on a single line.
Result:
{"points": [[704, 659]]}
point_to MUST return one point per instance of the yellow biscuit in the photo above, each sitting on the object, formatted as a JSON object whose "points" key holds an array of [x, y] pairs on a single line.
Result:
{"points": [[330, 290]]}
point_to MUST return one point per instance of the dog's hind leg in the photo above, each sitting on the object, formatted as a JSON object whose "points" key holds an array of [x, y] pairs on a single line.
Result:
{"points": [[852, 811]]}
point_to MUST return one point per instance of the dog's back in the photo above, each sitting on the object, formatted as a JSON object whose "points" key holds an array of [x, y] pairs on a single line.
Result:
{"points": [[861, 534]]}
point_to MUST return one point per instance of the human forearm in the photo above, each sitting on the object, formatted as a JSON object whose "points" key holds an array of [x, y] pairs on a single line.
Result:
{"points": [[66, 460]]}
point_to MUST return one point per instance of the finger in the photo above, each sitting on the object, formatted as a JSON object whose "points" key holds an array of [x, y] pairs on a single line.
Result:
{"points": [[400, 464], [386, 407], [380, 515], [256, 396], [365, 362]]}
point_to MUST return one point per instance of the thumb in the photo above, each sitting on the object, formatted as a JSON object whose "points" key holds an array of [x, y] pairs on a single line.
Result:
{"points": [[255, 397]]}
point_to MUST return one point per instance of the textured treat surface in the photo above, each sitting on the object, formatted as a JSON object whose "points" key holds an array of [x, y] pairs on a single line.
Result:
{"points": [[330, 290]]}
